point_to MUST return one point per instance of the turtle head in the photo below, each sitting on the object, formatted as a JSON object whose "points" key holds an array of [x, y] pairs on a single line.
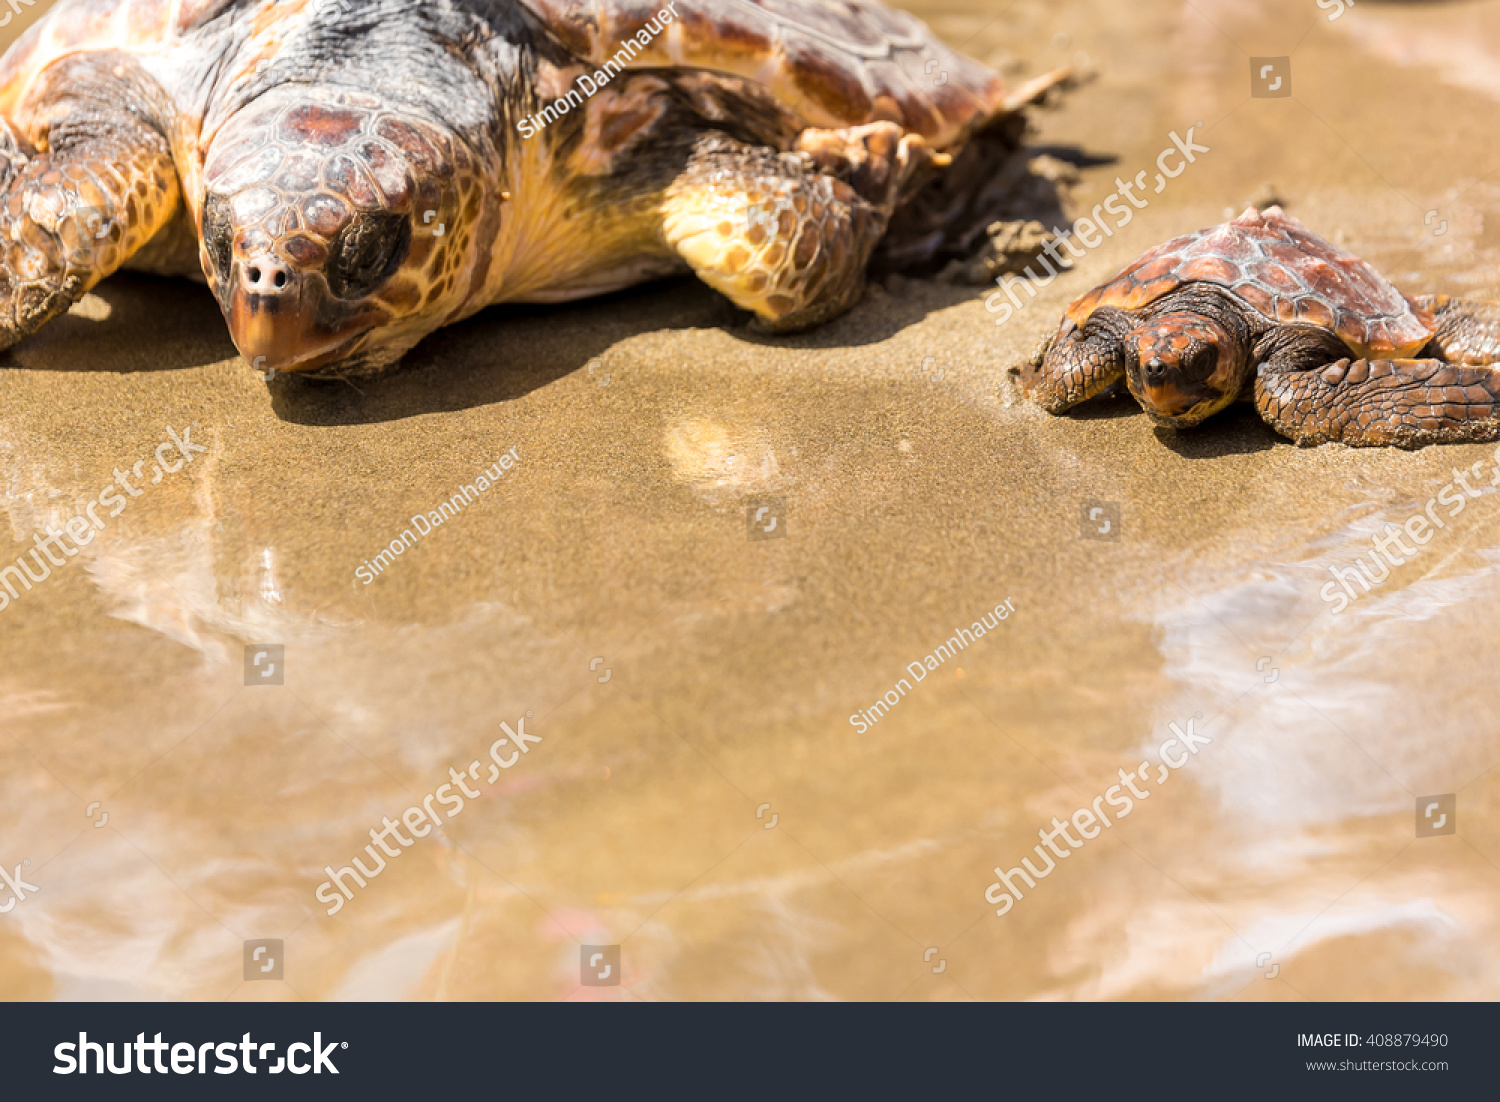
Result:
{"points": [[1183, 367], [335, 231]]}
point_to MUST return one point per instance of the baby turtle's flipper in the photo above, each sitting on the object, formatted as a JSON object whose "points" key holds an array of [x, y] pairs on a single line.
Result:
{"points": [[1074, 365], [780, 234], [97, 186], [1467, 332], [1408, 403]]}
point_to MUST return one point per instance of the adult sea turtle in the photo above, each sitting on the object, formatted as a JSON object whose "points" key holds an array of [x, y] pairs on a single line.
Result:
{"points": [[1263, 308], [349, 175]]}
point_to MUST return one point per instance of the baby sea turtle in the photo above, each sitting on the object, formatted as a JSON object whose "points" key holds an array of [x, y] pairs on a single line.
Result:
{"points": [[1263, 308], [349, 175]]}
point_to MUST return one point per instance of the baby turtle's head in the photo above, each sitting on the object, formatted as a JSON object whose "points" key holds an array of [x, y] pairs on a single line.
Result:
{"points": [[1183, 367], [336, 232]]}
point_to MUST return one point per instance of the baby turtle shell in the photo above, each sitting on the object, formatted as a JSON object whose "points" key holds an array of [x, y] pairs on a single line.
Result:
{"points": [[1286, 273]]}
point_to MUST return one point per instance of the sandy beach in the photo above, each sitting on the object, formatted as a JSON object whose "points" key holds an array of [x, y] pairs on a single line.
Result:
{"points": [[699, 796]]}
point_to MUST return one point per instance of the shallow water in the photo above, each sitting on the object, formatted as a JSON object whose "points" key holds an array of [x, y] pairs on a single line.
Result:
{"points": [[682, 677]]}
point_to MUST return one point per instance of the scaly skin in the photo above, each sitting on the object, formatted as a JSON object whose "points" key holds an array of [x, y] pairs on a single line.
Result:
{"points": [[1467, 332], [1406, 403], [103, 187], [1184, 357], [331, 216], [788, 235], [1078, 363], [1276, 317], [355, 175], [1306, 386]]}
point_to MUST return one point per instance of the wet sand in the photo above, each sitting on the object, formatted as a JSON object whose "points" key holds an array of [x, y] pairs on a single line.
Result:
{"points": [[919, 493]]}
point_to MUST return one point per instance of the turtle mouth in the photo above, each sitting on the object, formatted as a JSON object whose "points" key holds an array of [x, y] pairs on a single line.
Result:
{"points": [[323, 358], [1170, 406], [298, 329], [308, 360]]}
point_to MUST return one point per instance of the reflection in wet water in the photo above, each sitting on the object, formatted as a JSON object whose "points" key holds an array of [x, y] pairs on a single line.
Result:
{"points": [[1324, 740]]}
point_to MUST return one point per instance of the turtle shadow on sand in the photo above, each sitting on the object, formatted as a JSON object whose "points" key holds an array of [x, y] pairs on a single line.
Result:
{"points": [[501, 354], [1106, 407], [118, 328], [506, 352], [1238, 431]]}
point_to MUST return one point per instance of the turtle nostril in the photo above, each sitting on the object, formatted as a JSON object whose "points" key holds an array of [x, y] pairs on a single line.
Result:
{"points": [[1154, 369], [266, 277]]}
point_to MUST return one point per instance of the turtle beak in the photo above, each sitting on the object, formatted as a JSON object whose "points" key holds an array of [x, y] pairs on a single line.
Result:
{"points": [[285, 320], [1169, 402]]}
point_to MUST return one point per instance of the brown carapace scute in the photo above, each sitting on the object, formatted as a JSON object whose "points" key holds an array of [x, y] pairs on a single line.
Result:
{"points": [[1264, 309], [348, 177]]}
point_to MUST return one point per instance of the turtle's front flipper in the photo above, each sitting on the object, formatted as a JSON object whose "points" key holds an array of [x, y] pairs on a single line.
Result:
{"points": [[1408, 403], [1076, 364], [98, 188], [1467, 332], [787, 235]]}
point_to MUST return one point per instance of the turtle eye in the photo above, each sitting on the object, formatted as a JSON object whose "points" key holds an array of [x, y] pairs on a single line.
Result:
{"points": [[368, 250], [1205, 358], [218, 235]]}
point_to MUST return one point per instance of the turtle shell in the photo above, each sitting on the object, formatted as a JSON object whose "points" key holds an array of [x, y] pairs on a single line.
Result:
{"points": [[834, 64], [1286, 273]]}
